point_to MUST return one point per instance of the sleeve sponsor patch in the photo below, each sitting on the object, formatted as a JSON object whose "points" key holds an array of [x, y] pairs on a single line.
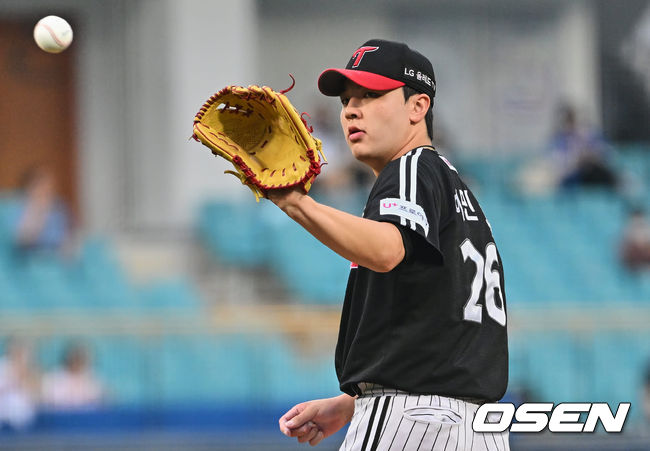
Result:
{"points": [[405, 209]]}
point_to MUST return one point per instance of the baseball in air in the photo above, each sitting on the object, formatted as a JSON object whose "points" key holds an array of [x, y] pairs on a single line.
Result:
{"points": [[53, 34]]}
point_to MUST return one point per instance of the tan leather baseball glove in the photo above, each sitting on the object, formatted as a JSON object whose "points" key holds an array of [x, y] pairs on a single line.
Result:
{"points": [[262, 135]]}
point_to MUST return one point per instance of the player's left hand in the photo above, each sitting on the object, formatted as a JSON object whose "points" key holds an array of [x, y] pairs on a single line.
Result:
{"points": [[285, 198], [312, 421]]}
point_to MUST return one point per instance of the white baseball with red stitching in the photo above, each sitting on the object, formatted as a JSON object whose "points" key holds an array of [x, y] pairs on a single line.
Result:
{"points": [[53, 34]]}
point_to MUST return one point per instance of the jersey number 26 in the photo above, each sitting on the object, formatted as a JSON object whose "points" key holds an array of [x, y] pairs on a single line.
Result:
{"points": [[492, 279]]}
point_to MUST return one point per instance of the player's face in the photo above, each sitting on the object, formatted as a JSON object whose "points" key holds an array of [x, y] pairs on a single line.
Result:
{"points": [[376, 124]]}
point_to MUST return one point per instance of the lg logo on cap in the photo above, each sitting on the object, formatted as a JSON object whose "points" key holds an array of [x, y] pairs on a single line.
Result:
{"points": [[419, 75]]}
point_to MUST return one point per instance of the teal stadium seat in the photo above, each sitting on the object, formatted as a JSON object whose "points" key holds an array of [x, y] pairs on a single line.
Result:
{"points": [[11, 296], [127, 367], [169, 294], [619, 362], [310, 270], [554, 361], [233, 232], [102, 279], [289, 374], [46, 284], [206, 368]]}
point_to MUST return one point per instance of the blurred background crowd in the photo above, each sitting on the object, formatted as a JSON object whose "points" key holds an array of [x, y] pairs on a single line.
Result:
{"points": [[146, 299]]}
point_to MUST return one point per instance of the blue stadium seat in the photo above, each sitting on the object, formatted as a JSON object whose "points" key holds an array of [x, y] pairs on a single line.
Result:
{"points": [[175, 293], [310, 270], [553, 362], [233, 232], [206, 368], [292, 375], [11, 296], [127, 367], [101, 278], [46, 284], [619, 360]]}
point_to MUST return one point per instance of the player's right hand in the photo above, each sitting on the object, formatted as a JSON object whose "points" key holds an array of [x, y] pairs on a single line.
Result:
{"points": [[312, 421]]}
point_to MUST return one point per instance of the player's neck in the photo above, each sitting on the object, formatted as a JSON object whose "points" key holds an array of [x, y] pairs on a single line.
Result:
{"points": [[378, 166], [419, 139]]}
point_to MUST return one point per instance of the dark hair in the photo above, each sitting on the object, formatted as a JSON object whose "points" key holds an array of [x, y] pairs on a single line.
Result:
{"points": [[408, 92]]}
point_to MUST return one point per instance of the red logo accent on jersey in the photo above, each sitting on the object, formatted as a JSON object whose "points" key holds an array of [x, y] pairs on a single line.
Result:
{"points": [[353, 265], [360, 52]]}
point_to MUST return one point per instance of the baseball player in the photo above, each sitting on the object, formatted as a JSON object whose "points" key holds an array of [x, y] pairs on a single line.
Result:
{"points": [[422, 341]]}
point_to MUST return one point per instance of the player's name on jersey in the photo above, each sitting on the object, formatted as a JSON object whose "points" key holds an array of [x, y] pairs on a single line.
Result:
{"points": [[464, 205]]}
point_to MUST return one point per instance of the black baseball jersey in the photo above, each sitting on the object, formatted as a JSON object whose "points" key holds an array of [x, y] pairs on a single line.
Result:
{"points": [[436, 323]]}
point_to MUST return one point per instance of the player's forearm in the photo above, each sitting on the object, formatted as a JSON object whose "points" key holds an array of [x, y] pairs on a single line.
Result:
{"points": [[372, 244], [346, 405]]}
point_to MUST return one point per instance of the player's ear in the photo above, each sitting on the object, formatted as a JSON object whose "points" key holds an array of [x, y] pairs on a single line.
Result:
{"points": [[419, 105]]}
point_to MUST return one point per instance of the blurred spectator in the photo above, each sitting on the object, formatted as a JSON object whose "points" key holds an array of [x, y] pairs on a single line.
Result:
{"points": [[635, 242], [72, 386], [40, 221], [579, 153], [18, 385]]}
